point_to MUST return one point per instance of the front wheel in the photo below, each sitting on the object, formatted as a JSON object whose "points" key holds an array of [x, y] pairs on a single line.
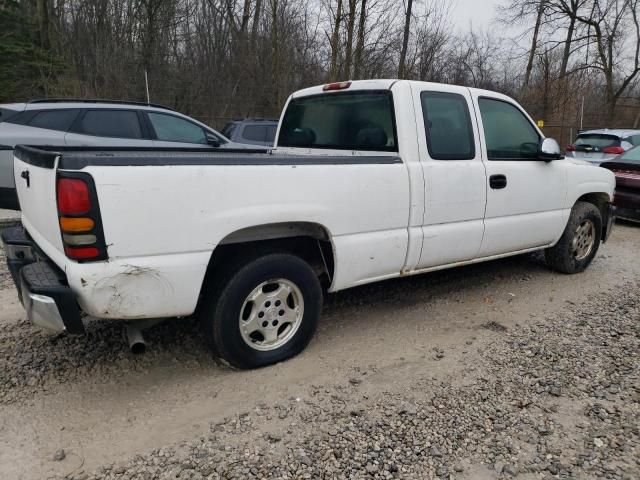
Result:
{"points": [[265, 311], [579, 242]]}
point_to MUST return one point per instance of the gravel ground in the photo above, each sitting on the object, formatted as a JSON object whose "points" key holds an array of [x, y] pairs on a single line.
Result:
{"points": [[557, 398], [493, 373]]}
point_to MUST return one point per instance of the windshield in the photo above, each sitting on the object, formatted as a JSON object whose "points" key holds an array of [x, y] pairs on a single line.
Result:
{"points": [[597, 140], [362, 120]]}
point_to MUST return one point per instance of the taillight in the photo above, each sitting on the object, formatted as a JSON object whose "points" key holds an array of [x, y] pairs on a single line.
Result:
{"points": [[73, 196], [613, 150], [336, 86], [571, 148], [79, 218]]}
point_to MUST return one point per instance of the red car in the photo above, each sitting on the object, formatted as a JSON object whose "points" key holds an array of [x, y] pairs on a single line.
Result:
{"points": [[626, 168]]}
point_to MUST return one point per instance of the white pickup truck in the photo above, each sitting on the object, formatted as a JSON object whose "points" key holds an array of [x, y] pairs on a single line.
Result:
{"points": [[369, 180]]}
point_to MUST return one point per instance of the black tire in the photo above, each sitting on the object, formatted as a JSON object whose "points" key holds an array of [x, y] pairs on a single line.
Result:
{"points": [[561, 257], [225, 297]]}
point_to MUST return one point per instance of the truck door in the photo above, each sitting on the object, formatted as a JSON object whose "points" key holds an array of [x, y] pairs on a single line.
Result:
{"points": [[525, 196], [454, 175]]}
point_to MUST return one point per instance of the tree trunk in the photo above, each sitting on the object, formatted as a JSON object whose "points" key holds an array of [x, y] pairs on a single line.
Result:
{"points": [[357, 66], [335, 39], [567, 47], [534, 45], [246, 14], [256, 22], [42, 7], [351, 21], [275, 52], [405, 40]]}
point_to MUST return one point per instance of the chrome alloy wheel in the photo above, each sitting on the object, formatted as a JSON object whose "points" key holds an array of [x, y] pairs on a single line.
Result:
{"points": [[583, 240], [271, 314]]}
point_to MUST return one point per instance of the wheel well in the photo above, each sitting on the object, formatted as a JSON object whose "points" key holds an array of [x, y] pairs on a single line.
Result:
{"points": [[309, 241], [601, 201]]}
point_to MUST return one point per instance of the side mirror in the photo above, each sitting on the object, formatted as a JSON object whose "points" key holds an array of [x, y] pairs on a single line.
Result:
{"points": [[213, 140], [549, 150]]}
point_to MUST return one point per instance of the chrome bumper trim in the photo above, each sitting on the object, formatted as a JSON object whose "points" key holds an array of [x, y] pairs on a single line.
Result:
{"points": [[43, 311]]}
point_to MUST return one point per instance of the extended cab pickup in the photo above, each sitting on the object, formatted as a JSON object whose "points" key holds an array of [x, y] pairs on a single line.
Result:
{"points": [[369, 180]]}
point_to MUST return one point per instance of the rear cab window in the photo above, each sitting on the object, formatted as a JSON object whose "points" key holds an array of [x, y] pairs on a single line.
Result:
{"points": [[358, 120]]}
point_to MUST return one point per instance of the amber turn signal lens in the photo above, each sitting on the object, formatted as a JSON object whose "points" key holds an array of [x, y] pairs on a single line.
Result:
{"points": [[75, 225]]}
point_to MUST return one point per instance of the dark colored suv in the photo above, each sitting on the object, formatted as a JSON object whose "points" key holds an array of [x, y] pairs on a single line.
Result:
{"points": [[254, 131]]}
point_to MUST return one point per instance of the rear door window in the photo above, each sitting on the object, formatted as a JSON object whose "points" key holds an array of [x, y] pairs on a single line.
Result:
{"points": [[596, 141], [255, 133], [362, 120], [111, 123], [448, 126], [54, 119]]}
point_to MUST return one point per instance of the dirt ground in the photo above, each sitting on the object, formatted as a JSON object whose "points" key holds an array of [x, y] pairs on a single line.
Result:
{"points": [[407, 364]]}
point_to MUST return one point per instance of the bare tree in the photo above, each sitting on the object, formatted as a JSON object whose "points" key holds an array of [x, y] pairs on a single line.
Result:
{"points": [[405, 40]]}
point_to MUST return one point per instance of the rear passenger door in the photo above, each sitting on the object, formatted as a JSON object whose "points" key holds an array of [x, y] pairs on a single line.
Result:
{"points": [[454, 175], [102, 127]]}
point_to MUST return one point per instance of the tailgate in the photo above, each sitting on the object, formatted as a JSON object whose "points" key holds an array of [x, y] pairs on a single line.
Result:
{"points": [[35, 178]]}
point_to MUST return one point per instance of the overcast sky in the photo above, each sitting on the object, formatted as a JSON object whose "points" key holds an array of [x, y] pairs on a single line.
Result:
{"points": [[479, 13]]}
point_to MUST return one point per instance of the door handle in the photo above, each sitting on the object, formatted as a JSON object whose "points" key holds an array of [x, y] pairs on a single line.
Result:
{"points": [[497, 181]]}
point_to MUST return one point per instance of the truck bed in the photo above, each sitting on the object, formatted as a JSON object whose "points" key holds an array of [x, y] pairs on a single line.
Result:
{"points": [[164, 212]]}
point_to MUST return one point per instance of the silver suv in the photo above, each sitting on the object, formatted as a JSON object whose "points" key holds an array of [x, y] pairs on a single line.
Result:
{"points": [[597, 146], [98, 124]]}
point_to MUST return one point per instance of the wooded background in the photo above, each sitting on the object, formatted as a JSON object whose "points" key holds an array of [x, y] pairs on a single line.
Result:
{"points": [[222, 59]]}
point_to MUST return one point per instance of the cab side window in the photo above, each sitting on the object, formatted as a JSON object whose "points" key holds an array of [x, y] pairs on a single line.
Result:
{"points": [[448, 126], [508, 133]]}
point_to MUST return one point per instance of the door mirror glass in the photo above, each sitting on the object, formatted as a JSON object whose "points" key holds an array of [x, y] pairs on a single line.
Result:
{"points": [[549, 150], [213, 140]]}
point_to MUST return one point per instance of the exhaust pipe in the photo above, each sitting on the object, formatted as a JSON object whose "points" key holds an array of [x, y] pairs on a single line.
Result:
{"points": [[135, 338], [133, 332]]}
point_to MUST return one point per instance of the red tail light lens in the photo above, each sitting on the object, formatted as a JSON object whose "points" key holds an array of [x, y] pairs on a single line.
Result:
{"points": [[81, 253], [73, 196], [613, 150], [79, 217], [571, 148]]}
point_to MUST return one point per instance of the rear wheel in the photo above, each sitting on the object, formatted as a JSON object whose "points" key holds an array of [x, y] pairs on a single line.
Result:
{"points": [[263, 311], [579, 242]]}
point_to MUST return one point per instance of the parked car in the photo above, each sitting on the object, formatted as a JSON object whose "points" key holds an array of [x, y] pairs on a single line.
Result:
{"points": [[597, 146], [626, 168], [369, 180], [95, 123], [254, 131]]}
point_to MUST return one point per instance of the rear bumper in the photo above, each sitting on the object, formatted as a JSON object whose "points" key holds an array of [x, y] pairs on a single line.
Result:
{"points": [[42, 287]]}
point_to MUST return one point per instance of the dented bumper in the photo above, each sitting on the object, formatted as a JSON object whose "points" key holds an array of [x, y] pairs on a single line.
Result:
{"points": [[42, 287]]}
